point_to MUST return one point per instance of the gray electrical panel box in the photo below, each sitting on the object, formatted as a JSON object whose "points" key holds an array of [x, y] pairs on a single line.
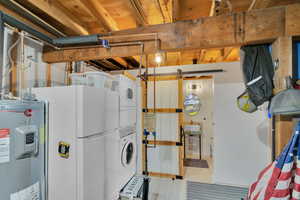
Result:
{"points": [[26, 142]]}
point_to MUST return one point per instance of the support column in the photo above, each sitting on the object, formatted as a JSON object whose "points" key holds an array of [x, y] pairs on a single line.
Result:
{"points": [[282, 53]]}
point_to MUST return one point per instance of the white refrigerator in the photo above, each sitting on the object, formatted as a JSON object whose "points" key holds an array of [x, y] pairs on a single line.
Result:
{"points": [[76, 142]]}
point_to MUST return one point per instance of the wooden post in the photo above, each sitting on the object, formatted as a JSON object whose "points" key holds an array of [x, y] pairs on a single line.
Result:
{"points": [[282, 53], [180, 124], [48, 75]]}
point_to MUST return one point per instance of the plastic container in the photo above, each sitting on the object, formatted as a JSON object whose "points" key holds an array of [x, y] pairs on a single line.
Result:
{"points": [[99, 80], [78, 79]]}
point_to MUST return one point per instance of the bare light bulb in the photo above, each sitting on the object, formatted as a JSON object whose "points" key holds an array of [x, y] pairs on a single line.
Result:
{"points": [[158, 58]]}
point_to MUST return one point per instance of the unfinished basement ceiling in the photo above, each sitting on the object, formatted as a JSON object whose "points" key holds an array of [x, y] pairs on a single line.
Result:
{"points": [[82, 17]]}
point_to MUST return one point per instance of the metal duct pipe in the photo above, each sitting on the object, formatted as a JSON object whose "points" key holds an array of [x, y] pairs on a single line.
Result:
{"points": [[20, 25], [58, 42], [77, 40], [19, 9]]}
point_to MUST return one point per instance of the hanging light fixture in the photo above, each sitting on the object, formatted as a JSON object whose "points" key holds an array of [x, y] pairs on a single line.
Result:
{"points": [[158, 58]]}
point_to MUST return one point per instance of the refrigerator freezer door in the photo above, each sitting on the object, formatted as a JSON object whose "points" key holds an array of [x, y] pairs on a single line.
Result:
{"points": [[91, 168], [85, 103]]}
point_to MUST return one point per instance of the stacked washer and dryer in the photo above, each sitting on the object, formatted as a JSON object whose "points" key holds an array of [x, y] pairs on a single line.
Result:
{"points": [[120, 141]]}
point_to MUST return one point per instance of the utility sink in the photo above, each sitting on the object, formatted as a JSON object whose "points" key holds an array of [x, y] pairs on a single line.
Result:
{"points": [[192, 129]]}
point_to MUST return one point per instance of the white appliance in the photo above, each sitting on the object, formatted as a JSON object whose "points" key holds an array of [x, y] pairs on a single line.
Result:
{"points": [[112, 102], [76, 141], [128, 101], [120, 165]]}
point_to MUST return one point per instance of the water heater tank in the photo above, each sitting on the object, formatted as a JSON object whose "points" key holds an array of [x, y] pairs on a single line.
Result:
{"points": [[22, 150]]}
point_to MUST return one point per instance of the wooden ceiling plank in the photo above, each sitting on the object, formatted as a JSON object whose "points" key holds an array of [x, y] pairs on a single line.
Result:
{"points": [[252, 5], [260, 26], [59, 15], [101, 14], [260, 4], [229, 5]]}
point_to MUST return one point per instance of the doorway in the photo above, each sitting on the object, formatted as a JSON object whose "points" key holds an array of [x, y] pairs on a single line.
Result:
{"points": [[198, 128]]}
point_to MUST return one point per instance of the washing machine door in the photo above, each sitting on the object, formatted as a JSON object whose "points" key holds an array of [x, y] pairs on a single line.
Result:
{"points": [[128, 154]]}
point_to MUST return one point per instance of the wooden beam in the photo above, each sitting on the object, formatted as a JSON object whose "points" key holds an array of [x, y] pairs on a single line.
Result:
{"points": [[138, 12], [258, 4], [283, 132], [257, 26], [282, 52], [198, 77], [163, 9], [292, 20], [162, 143], [175, 10], [162, 78], [162, 175], [180, 126], [101, 14], [59, 15], [252, 5]]}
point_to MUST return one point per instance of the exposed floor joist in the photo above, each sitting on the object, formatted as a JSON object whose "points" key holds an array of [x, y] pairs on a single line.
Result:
{"points": [[138, 12], [56, 13], [101, 14], [68, 22]]}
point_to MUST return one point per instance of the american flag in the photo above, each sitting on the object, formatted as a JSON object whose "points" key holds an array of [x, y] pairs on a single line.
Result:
{"points": [[281, 179]]}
